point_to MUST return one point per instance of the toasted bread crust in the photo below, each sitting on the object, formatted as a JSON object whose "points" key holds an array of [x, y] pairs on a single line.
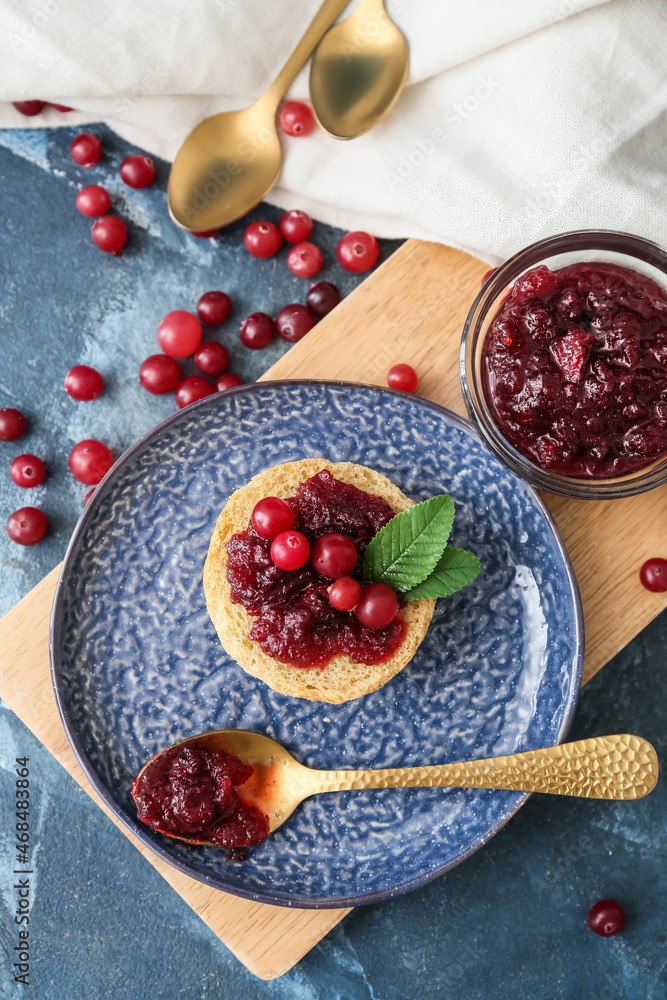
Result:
{"points": [[341, 679]]}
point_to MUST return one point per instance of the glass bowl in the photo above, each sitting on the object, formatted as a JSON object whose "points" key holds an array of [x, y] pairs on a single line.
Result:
{"points": [[556, 252]]}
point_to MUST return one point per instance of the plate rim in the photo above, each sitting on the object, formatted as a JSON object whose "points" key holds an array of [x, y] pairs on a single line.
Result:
{"points": [[281, 898]]}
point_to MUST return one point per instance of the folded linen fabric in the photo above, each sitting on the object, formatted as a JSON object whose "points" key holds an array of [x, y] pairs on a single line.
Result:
{"points": [[519, 119]]}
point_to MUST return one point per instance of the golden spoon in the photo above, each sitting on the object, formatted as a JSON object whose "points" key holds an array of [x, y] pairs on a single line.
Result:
{"points": [[606, 767], [229, 161], [358, 71]]}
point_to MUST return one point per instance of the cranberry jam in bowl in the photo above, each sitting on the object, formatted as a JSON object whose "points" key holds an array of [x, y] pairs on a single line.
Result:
{"points": [[563, 364]]}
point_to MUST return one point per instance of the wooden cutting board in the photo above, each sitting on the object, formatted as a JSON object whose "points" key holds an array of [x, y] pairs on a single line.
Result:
{"points": [[411, 309]]}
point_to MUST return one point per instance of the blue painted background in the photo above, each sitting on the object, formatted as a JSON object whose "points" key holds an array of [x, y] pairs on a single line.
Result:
{"points": [[511, 921]]}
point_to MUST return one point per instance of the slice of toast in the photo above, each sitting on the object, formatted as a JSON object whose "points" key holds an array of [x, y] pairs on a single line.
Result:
{"points": [[341, 679]]}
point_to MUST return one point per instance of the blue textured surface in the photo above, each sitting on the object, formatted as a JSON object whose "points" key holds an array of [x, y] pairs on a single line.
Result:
{"points": [[509, 924], [139, 665]]}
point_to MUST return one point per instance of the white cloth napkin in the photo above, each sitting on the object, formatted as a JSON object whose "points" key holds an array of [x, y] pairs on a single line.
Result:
{"points": [[520, 118]]}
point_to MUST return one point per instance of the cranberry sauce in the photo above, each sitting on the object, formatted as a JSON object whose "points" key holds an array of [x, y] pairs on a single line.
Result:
{"points": [[189, 791], [575, 369], [296, 622]]}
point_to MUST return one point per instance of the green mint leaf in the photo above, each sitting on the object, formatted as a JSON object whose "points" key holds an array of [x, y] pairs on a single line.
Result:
{"points": [[406, 550], [454, 570]]}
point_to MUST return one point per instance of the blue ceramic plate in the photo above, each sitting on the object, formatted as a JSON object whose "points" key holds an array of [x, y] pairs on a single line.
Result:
{"points": [[137, 664]]}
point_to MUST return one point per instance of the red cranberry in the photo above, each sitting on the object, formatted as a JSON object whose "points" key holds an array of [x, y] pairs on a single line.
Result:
{"points": [[334, 555], [93, 201], [137, 171], [86, 149], [344, 593], [539, 281], [27, 471], [257, 330], [160, 374], [88, 495], [211, 358], [227, 381], [262, 239], [179, 333], [402, 377], [89, 461], [62, 107], [305, 260], [29, 108], [109, 234], [322, 297], [191, 389], [653, 575], [358, 252], [290, 550], [83, 383], [12, 424], [606, 918], [27, 526], [295, 226], [571, 353], [206, 234], [293, 322], [377, 606], [270, 516], [296, 118], [214, 308]]}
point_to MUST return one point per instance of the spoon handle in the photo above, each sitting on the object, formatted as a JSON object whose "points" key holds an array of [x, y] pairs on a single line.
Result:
{"points": [[606, 767], [326, 15]]}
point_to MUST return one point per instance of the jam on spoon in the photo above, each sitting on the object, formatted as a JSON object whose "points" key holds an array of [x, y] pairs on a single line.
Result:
{"points": [[190, 791], [575, 369]]}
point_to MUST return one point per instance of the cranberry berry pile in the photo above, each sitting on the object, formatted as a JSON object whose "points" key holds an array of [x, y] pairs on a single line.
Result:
{"points": [[180, 333], [575, 369], [297, 567], [323, 570]]}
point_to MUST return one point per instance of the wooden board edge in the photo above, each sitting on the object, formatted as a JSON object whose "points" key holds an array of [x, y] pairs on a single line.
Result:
{"points": [[268, 972]]}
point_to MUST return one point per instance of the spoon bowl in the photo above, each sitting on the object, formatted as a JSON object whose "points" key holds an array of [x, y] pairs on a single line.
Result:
{"points": [[278, 784], [358, 71], [606, 767], [225, 167]]}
